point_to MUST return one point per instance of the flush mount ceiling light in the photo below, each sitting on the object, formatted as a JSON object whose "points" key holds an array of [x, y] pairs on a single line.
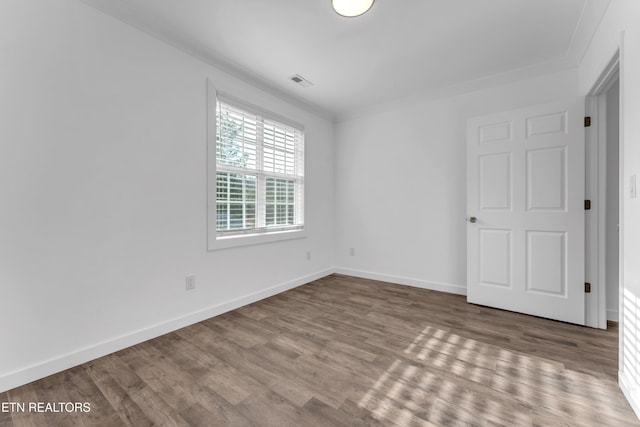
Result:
{"points": [[351, 8]]}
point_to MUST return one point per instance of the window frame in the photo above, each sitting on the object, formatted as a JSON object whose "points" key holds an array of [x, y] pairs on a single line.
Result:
{"points": [[252, 236]]}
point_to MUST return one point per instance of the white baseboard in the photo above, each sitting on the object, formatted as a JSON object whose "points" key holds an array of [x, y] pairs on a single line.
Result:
{"points": [[417, 283], [630, 393], [613, 315], [78, 357]]}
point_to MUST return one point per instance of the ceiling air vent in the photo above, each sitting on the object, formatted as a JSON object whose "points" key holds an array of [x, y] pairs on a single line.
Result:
{"points": [[301, 81]]}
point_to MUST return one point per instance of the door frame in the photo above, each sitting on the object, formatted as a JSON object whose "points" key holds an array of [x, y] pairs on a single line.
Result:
{"points": [[595, 190]]}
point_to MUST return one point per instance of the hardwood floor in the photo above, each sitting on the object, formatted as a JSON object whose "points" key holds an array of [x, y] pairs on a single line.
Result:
{"points": [[343, 351]]}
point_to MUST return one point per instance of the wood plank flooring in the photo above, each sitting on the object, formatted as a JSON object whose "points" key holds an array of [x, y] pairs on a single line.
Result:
{"points": [[343, 351]]}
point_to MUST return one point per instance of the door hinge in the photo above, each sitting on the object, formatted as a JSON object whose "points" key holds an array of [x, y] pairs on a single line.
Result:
{"points": [[587, 121], [587, 288], [587, 205]]}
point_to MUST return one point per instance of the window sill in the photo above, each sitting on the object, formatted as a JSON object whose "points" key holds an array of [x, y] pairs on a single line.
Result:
{"points": [[217, 243]]}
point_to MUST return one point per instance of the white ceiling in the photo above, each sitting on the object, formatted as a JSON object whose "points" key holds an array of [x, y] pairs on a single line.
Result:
{"points": [[398, 49]]}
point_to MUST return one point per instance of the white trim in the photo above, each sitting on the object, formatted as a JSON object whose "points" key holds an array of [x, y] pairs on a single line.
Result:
{"points": [[256, 110], [591, 16], [613, 315], [594, 220], [610, 74], [78, 357], [399, 280], [257, 239], [621, 212], [602, 143], [628, 391], [211, 164]]}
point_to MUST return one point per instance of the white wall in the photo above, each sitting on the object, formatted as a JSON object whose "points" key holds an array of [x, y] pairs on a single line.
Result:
{"points": [[613, 184], [624, 16], [103, 191], [400, 183]]}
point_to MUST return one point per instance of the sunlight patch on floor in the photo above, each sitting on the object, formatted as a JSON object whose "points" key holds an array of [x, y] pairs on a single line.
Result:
{"points": [[409, 384]]}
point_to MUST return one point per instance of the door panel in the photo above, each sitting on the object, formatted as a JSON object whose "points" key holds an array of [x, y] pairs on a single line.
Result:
{"points": [[546, 179], [495, 181], [495, 253], [525, 186], [495, 132], [546, 262], [547, 124]]}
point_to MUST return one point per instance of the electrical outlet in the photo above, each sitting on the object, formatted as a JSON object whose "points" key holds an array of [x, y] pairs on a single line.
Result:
{"points": [[190, 283], [352, 251], [308, 255]]}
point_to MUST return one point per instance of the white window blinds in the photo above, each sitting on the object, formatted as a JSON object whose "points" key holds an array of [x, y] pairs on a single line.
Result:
{"points": [[259, 171]]}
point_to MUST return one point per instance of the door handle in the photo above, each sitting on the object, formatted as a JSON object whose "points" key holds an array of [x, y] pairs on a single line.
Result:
{"points": [[473, 220]]}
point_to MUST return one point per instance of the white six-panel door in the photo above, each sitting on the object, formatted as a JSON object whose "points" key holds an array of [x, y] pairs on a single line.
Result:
{"points": [[525, 211]]}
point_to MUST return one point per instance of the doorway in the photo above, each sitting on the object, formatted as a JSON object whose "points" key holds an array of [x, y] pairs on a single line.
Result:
{"points": [[603, 188]]}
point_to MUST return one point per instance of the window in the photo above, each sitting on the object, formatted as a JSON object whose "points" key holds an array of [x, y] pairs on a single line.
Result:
{"points": [[259, 172]]}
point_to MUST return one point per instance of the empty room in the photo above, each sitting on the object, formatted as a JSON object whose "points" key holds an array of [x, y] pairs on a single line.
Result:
{"points": [[319, 212]]}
